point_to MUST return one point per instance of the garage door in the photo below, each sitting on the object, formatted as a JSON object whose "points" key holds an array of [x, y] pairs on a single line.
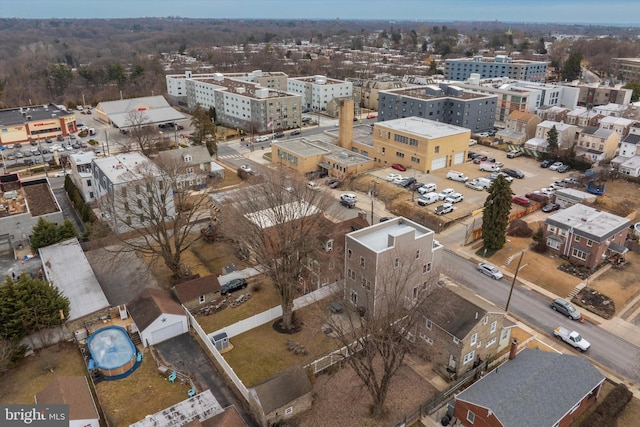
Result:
{"points": [[459, 158], [439, 163], [167, 332]]}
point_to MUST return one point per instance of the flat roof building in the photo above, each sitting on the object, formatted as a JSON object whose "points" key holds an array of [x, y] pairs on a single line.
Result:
{"points": [[35, 123], [499, 66]]}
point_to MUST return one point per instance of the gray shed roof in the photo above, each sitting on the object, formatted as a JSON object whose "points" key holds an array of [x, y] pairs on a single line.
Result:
{"points": [[68, 269], [537, 388], [286, 387]]}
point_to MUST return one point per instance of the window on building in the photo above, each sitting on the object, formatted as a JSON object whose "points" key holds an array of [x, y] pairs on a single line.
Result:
{"points": [[491, 342], [417, 253], [436, 149], [474, 339], [354, 298], [349, 253], [576, 238], [362, 262], [456, 340], [494, 325], [589, 242], [553, 244], [577, 253], [429, 324], [485, 320], [396, 263], [468, 357], [88, 183], [351, 274]]}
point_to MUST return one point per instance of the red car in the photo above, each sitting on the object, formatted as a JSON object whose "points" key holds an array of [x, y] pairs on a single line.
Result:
{"points": [[372, 116], [398, 167], [522, 201]]}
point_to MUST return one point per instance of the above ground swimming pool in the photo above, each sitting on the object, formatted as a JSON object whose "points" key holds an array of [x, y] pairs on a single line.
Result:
{"points": [[113, 352]]}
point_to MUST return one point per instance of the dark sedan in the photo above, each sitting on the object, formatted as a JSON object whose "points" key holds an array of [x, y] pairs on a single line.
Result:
{"points": [[515, 173], [546, 163], [549, 207], [564, 168]]}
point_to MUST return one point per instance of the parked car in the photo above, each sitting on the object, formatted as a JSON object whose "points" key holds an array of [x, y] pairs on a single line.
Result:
{"points": [[573, 338], [427, 188], [445, 193], [262, 138], [480, 158], [399, 179], [564, 168], [483, 134], [555, 166], [348, 203], [247, 169], [538, 197], [520, 200], [454, 198], [549, 207], [513, 154], [295, 132], [407, 182], [60, 138], [546, 163], [333, 183], [313, 186], [349, 196], [571, 181], [398, 167], [232, 286], [62, 173], [566, 308], [490, 270], [494, 175], [278, 135], [444, 208], [515, 173], [472, 142], [392, 177], [371, 116], [474, 184], [457, 176]]}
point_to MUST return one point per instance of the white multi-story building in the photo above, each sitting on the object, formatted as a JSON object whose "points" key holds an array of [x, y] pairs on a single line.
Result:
{"points": [[318, 91], [130, 189], [82, 173]]}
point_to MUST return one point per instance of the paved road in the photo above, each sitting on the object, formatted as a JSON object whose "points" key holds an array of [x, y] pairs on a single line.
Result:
{"points": [[185, 355], [533, 309]]}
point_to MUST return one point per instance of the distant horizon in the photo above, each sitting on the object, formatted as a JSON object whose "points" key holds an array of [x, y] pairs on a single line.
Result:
{"points": [[565, 12]]}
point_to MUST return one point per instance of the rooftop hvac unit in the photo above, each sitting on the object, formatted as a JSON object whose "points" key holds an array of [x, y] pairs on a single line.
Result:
{"points": [[240, 89]]}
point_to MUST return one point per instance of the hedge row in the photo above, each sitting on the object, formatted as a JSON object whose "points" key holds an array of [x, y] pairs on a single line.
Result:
{"points": [[86, 214], [606, 413]]}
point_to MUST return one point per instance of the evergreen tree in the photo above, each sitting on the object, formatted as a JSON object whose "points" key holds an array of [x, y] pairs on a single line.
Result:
{"points": [[204, 129], [572, 68], [46, 233], [66, 231], [552, 140], [495, 218]]}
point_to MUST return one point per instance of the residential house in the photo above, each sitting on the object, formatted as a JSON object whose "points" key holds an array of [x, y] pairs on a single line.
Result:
{"points": [[192, 166], [520, 126], [130, 189], [584, 235], [567, 135], [279, 398], [81, 164], [378, 256], [566, 197], [553, 113], [611, 109], [461, 331], [618, 124], [535, 388], [421, 144], [197, 292], [628, 159], [597, 144], [23, 204], [74, 392], [582, 117], [157, 316]]}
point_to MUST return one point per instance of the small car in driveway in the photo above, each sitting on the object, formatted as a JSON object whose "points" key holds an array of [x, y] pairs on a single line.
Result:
{"points": [[349, 197], [520, 200], [444, 208], [398, 167], [232, 286], [549, 207], [513, 154], [490, 270], [566, 308]]}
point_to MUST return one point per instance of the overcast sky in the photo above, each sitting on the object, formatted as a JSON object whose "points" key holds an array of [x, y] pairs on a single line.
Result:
{"points": [[578, 11]]}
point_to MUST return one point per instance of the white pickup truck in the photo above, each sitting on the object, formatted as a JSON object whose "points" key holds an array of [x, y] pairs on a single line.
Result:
{"points": [[572, 337]]}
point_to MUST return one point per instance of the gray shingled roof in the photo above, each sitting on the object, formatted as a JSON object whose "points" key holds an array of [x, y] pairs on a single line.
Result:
{"points": [[452, 312], [282, 389], [537, 388]]}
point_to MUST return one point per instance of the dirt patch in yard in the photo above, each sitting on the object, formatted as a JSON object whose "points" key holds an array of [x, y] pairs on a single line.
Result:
{"points": [[621, 285], [341, 400]]}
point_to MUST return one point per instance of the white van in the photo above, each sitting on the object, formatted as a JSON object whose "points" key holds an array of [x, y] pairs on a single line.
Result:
{"points": [[489, 167], [457, 176], [92, 131], [484, 182], [428, 198]]}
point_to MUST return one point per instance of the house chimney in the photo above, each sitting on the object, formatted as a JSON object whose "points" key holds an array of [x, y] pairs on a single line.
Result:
{"points": [[514, 349]]}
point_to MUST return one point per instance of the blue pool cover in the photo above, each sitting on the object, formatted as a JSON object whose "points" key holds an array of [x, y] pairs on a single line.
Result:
{"points": [[111, 347]]}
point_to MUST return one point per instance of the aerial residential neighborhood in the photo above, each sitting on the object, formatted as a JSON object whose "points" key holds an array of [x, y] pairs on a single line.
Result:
{"points": [[308, 221]]}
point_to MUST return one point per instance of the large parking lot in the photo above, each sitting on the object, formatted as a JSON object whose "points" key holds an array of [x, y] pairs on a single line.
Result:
{"points": [[534, 179]]}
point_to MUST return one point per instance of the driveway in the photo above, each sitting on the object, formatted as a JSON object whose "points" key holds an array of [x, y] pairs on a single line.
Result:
{"points": [[185, 355]]}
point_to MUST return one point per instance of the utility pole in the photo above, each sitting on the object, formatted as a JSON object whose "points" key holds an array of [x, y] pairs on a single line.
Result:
{"points": [[513, 282]]}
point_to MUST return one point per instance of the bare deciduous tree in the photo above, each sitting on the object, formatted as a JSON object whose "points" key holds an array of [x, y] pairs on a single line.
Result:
{"points": [[278, 227], [376, 345], [141, 132], [156, 212]]}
